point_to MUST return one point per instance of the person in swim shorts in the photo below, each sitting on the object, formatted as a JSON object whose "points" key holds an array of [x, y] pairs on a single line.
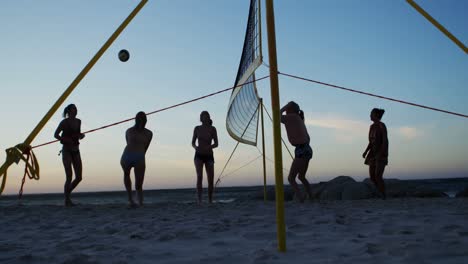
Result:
{"points": [[138, 140], [207, 138], [293, 120]]}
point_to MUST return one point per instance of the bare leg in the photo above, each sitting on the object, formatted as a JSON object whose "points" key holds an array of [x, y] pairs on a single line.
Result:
{"points": [[292, 178], [67, 161], [199, 170], [78, 168], [139, 178], [127, 182], [372, 174], [304, 165], [379, 171], [210, 175]]}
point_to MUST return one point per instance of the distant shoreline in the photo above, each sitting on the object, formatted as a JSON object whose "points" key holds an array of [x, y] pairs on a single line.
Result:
{"points": [[246, 188]]}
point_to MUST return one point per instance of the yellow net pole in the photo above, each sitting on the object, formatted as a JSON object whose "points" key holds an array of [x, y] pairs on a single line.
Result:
{"points": [[437, 25], [70, 88], [279, 189], [263, 152]]}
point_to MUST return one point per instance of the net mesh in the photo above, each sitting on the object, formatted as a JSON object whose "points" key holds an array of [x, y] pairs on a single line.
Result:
{"points": [[243, 110]]}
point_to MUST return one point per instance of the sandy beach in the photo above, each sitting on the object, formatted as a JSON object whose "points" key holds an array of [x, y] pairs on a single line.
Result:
{"points": [[411, 230], [367, 100]]}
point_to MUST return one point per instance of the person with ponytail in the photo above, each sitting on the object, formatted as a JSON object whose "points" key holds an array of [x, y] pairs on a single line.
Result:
{"points": [[376, 153], [69, 134], [138, 140], [207, 138], [298, 136]]}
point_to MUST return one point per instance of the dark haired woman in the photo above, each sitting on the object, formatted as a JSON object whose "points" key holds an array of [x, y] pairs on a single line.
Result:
{"points": [[298, 136], [69, 134], [376, 153], [138, 140], [207, 140]]}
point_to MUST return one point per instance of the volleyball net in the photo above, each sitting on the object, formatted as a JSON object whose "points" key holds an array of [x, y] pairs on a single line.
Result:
{"points": [[243, 109]]}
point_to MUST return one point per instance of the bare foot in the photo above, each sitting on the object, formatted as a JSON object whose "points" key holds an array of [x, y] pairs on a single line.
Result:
{"points": [[69, 203], [301, 198], [132, 204]]}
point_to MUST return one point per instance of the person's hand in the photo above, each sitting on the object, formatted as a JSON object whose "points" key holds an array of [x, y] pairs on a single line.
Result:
{"points": [[82, 136], [364, 155]]}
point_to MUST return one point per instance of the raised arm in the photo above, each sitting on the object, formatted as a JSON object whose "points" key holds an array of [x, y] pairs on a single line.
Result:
{"points": [[215, 138], [282, 110]]}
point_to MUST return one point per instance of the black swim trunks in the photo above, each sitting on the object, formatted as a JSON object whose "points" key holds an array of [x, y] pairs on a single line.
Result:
{"points": [[303, 151], [68, 152], [205, 158]]}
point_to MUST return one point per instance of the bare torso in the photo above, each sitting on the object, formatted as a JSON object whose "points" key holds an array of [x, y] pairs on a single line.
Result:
{"points": [[296, 129], [138, 140], [69, 133], [205, 136]]}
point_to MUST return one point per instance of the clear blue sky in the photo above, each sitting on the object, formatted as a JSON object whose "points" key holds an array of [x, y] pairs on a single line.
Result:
{"points": [[182, 49]]}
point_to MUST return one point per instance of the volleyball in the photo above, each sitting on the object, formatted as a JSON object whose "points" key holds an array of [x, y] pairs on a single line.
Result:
{"points": [[124, 55]]}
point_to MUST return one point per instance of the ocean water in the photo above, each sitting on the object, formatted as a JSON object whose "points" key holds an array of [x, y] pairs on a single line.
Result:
{"points": [[222, 194], [449, 186]]}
